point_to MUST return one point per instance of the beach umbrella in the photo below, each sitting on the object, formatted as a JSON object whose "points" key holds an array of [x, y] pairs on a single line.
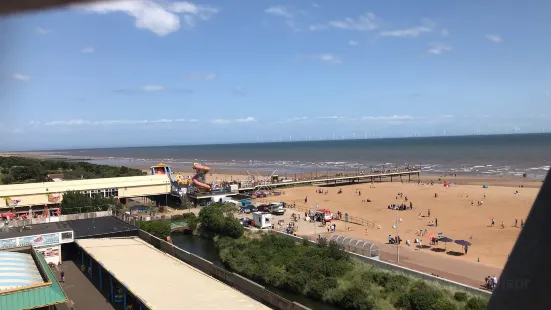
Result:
{"points": [[430, 236], [445, 240], [463, 243]]}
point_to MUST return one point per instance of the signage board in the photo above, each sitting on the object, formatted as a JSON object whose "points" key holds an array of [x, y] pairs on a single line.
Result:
{"points": [[54, 198], [39, 240], [8, 243]]}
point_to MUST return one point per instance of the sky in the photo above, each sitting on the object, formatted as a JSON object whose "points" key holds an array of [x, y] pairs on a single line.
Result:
{"points": [[153, 72]]}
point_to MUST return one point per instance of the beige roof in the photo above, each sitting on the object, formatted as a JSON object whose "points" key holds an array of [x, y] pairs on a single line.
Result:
{"points": [[81, 185], [162, 281]]}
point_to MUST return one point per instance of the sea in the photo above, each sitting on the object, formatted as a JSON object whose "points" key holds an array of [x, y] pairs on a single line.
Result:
{"points": [[485, 155]]}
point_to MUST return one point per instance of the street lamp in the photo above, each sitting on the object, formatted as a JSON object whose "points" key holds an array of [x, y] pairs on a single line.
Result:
{"points": [[398, 238], [315, 211]]}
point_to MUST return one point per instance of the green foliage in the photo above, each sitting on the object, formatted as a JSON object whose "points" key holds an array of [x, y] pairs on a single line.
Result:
{"points": [[423, 296], [158, 228], [76, 202], [460, 296], [476, 303], [325, 272], [217, 218], [21, 170], [190, 218]]}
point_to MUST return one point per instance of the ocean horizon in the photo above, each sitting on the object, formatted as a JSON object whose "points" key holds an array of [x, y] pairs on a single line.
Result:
{"points": [[505, 155]]}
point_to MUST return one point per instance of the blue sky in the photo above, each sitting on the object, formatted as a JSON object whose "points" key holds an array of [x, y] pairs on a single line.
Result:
{"points": [[158, 72]]}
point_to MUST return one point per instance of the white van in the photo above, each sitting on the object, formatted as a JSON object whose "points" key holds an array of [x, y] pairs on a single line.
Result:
{"points": [[276, 208]]}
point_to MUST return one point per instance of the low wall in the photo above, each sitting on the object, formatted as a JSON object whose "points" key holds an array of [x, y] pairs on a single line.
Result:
{"points": [[242, 284], [68, 217], [407, 271]]}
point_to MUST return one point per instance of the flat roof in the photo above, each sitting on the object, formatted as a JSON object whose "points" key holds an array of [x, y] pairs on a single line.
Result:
{"points": [[99, 226], [81, 185], [159, 279], [27, 281], [36, 229], [18, 270]]}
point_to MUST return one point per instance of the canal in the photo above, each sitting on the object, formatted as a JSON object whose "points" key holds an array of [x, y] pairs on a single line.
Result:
{"points": [[206, 249]]}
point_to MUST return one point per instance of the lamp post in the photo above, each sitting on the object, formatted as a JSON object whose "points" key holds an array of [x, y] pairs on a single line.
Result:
{"points": [[315, 211], [398, 239]]}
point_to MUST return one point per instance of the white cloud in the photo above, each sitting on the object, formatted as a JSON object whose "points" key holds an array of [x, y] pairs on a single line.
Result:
{"points": [[152, 87], [408, 32], [81, 122], [41, 30], [248, 119], [296, 119], [329, 58], [353, 43], [365, 22], [315, 5], [158, 16], [88, 50], [439, 48], [283, 12], [494, 38], [332, 117], [389, 118], [279, 10], [21, 77], [444, 32], [201, 76]]}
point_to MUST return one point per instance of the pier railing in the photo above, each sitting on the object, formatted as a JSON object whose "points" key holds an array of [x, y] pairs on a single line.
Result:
{"points": [[338, 177]]}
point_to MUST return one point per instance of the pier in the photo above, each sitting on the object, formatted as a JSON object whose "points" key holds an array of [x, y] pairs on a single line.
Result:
{"points": [[343, 179]]}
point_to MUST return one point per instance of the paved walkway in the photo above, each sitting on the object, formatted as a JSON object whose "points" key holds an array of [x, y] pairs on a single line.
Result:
{"points": [[469, 273], [82, 294]]}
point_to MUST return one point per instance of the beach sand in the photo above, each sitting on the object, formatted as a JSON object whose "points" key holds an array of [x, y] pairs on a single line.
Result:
{"points": [[457, 219]]}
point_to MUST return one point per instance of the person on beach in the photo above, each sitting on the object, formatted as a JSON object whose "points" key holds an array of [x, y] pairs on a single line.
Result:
{"points": [[516, 223], [428, 212], [62, 277], [493, 223], [306, 199], [436, 222]]}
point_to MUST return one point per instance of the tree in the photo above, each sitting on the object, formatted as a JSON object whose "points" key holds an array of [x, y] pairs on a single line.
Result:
{"points": [[213, 219], [34, 170], [158, 228], [77, 202]]}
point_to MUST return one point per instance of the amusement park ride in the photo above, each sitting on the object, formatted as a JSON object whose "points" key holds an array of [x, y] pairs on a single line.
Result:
{"points": [[181, 185]]}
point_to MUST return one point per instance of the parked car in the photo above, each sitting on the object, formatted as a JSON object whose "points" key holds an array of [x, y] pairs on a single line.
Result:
{"points": [[263, 208], [248, 209], [246, 222], [277, 209]]}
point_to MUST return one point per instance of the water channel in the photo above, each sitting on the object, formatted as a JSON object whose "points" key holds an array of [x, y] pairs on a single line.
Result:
{"points": [[206, 249]]}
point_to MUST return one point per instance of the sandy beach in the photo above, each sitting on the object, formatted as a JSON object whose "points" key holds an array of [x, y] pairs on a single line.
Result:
{"points": [[456, 217]]}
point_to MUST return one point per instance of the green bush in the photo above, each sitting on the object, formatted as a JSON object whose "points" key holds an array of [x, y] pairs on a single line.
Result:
{"points": [[326, 273], [213, 219], [476, 303], [20, 170], [460, 296], [77, 202], [158, 228]]}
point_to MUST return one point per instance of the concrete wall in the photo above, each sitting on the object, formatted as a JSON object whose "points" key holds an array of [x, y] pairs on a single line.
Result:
{"points": [[407, 271], [242, 284], [68, 217], [144, 190]]}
